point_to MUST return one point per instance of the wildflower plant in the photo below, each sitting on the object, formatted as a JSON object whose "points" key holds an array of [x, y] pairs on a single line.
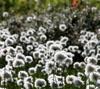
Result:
{"points": [[55, 49]]}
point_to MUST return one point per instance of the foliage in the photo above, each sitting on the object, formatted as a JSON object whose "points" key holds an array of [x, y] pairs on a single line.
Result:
{"points": [[25, 6]]}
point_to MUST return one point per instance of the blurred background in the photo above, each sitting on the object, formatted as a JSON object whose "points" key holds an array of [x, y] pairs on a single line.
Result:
{"points": [[27, 6]]}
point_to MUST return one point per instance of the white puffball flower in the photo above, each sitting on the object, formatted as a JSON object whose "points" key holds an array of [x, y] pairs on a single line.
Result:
{"points": [[9, 42], [89, 69], [35, 44], [64, 39], [4, 82], [98, 56], [19, 49], [93, 9], [29, 19], [78, 82], [22, 74], [90, 86], [62, 27], [29, 47], [79, 74], [68, 61], [20, 56], [48, 43], [94, 76], [50, 66], [5, 14], [32, 70], [30, 32], [40, 83], [9, 57], [55, 47], [36, 54], [31, 39], [43, 37], [59, 70], [98, 69], [42, 29], [82, 65], [18, 63], [28, 59], [28, 85], [6, 75], [23, 39], [70, 79], [76, 65], [20, 82], [92, 60], [60, 56]]}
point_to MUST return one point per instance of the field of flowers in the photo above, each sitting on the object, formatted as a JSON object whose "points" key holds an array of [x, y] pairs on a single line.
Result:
{"points": [[51, 49]]}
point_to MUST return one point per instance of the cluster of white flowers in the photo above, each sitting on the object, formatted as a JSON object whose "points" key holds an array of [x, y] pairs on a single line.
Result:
{"points": [[43, 57]]}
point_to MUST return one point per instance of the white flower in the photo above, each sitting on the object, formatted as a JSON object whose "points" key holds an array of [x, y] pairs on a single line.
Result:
{"points": [[92, 60], [70, 79], [6, 75], [82, 64], [30, 32], [36, 54], [20, 56], [43, 37], [49, 43], [90, 87], [62, 27], [4, 82], [35, 44], [64, 39], [94, 76], [28, 59], [19, 82], [28, 85], [32, 39], [98, 56], [55, 47], [19, 49], [9, 42], [22, 74], [29, 19], [40, 83], [78, 82], [79, 74], [69, 61], [93, 9], [76, 65], [8, 57], [18, 63], [49, 66], [60, 56], [11, 51], [23, 39], [32, 70], [59, 70], [43, 30], [89, 69], [5, 14]]}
